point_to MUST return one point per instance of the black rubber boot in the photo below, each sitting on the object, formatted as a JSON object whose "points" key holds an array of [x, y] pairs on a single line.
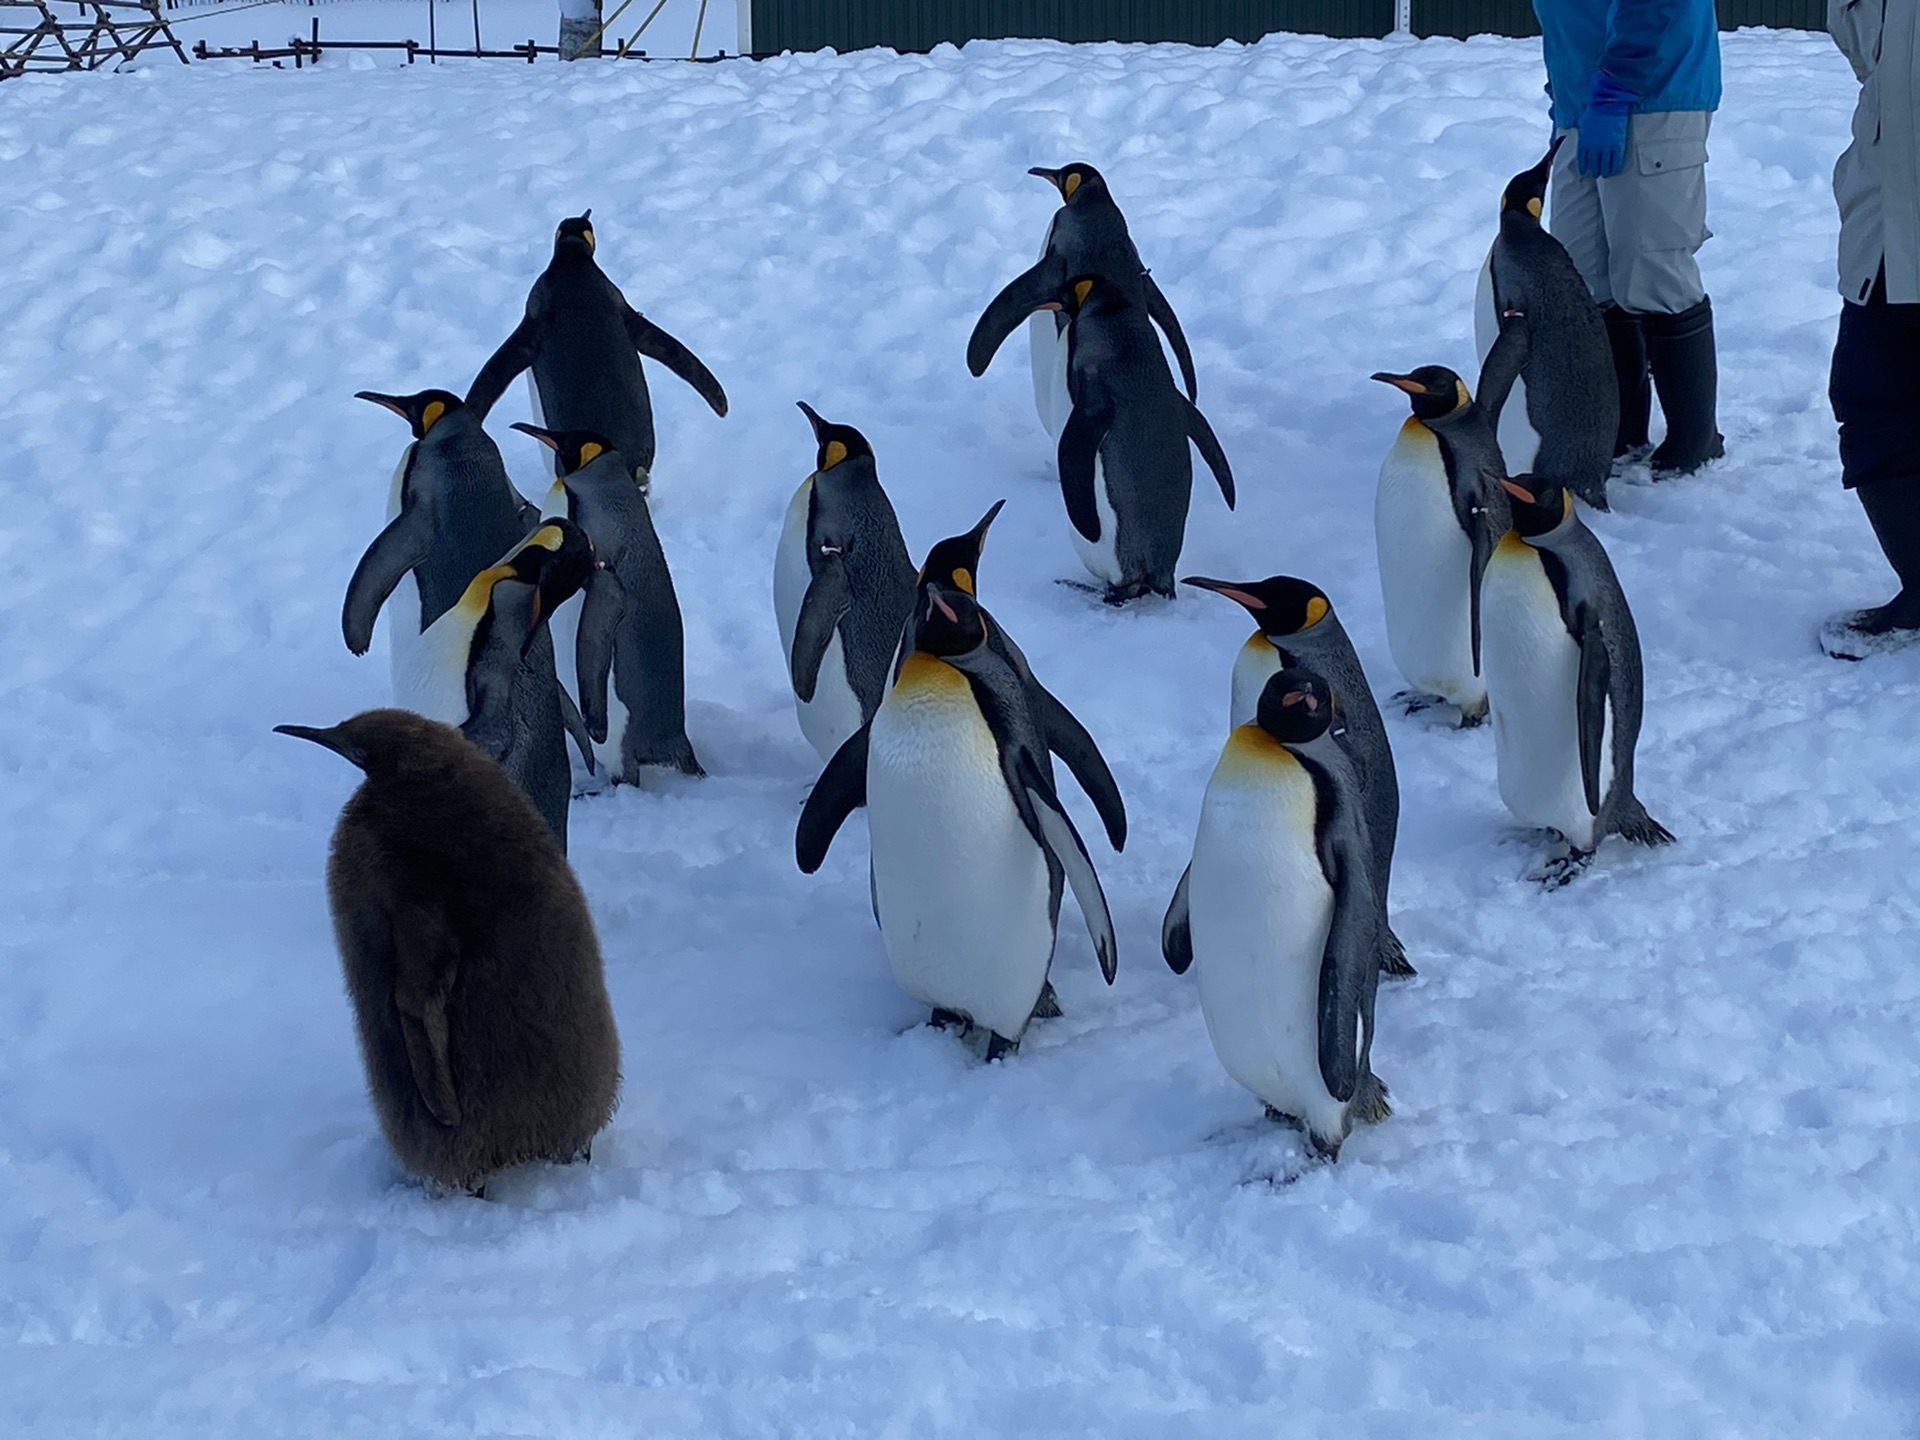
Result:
{"points": [[1629, 345], [1893, 509], [1681, 356]]}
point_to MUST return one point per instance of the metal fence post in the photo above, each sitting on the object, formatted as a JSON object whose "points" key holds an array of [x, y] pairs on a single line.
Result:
{"points": [[1403, 17]]}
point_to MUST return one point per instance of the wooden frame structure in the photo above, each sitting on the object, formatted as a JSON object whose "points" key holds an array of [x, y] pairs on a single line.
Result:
{"points": [[50, 36]]}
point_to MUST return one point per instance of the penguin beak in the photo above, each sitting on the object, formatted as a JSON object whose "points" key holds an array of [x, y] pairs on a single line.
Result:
{"points": [[979, 532], [1229, 589], [330, 738], [1399, 382], [1052, 177], [1048, 305], [934, 602], [813, 418], [545, 437], [1518, 493], [386, 402]]}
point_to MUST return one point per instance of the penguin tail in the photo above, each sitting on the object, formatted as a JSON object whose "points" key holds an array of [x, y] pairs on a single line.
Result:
{"points": [[1370, 1101], [1639, 827], [1393, 958]]}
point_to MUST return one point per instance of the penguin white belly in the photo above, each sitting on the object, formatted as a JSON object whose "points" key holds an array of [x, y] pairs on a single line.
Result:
{"points": [[1533, 673], [1047, 349], [833, 715], [1519, 441], [1101, 557], [405, 657], [1425, 564], [437, 686], [959, 884], [1260, 909], [564, 626], [1257, 663]]}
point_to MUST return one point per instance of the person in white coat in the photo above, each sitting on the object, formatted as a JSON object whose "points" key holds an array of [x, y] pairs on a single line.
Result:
{"points": [[1875, 383]]}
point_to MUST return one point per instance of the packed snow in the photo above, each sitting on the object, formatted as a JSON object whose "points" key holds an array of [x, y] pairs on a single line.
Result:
{"points": [[1652, 1167]]}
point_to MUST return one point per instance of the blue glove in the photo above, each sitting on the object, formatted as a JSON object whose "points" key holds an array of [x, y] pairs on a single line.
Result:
{"points": [[1603, 128]]}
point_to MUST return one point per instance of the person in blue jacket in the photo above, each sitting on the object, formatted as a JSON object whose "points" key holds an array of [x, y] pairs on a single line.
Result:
{"points": [[1634, 85]]}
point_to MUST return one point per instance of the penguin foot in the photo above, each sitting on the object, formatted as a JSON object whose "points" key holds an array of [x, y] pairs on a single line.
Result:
{"points": [[950, 1020], [1412, 702], [1562, 869], [1047, 1007], [999, 1047], [1371, 1101], [1863, 634], [582, 1156], [1393, 959], [1641, 828], [1473, 719]]}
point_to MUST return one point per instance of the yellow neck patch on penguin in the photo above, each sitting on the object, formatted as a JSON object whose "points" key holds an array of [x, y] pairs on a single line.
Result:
{"points": [[921, 673], [835, 453], [479, 593], [1251, 750], [589, 452], [1069, 183], [430, 416], [963, 581], [1534, 208]]}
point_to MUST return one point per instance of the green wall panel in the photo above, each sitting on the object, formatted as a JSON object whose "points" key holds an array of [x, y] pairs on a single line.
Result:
{"points": [[921, 24]]}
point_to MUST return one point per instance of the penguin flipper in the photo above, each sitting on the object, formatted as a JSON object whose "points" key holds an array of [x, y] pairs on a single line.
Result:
{"points": [[1068, 738], [601, 607], [1208, 444], [1596, 680], [426, 956], [1504, 362], [1053, 829], [515, 354], [841, 790], [394, 551], [1350, 962], [656, 344], [1176, 934], [1078, 453], [1481, 538], [1169, 323], [1022, 296], [828, 599], [575, 726]]}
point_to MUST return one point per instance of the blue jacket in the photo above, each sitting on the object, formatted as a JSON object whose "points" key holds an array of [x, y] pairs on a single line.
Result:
{"points": [[1667, 52]]}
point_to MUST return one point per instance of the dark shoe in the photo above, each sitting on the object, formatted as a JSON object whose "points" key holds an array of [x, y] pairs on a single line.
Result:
{"points": [[1893, 509], [1629, 345], [1685, 370]]}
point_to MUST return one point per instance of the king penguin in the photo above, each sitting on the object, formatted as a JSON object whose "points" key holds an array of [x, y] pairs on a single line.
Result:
{"points": [[1087, 236], [842, 587], [451, 512], [1286, 917], [1564, 681], [1299, 630], [491, 666], [1542, 337], [470, 958], [628, 628], [969, 841], [583, 343], [1125, 471], [1437, 514]]}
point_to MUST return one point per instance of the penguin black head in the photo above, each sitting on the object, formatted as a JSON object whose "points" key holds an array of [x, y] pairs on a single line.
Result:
{"points": [[955, 561], [947, 623], [1436, 390], [1077, 179], [1296, 707], [1526, 193], [576, 449], [836, 444], [1540, 505], [422, 411], [574, 239], [1077, 294], [1282, 604], [556, 560]]}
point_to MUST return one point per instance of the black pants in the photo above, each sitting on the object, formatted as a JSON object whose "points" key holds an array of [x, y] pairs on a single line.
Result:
{"points": [[1875, 389]]}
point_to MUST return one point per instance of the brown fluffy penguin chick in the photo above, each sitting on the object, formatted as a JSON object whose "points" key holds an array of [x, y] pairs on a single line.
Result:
{"points": [[470, 958]]}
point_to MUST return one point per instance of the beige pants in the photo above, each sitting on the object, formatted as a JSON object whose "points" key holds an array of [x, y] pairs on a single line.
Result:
{"points": [[1633, 235]]}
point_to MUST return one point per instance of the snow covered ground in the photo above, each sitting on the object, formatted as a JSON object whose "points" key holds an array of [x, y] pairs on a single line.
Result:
{"points": [[1653, 1170]]}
